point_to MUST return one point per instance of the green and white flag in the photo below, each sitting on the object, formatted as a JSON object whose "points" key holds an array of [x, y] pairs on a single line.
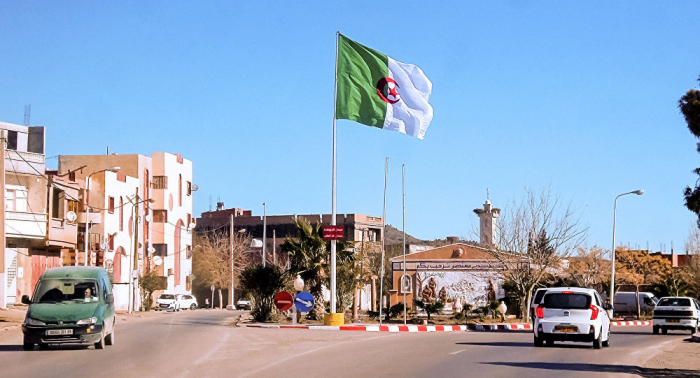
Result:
{"points": [[376, 90]]}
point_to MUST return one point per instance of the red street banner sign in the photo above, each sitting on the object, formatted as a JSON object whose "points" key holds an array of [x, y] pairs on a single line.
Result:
{"points": [[332, 232], [284, 300]]}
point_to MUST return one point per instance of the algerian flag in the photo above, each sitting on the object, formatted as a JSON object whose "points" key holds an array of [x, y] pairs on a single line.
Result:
{"points": [[376, 90]]}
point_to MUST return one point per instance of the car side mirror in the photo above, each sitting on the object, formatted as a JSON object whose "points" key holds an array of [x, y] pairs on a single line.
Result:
{"points": [[25, 299], [608, 306], [109, 298]]}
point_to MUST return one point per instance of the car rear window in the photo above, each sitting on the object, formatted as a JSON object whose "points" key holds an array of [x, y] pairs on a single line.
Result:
{"points": [[538, 296], [167, 296], [680, 302], [572, 301]]}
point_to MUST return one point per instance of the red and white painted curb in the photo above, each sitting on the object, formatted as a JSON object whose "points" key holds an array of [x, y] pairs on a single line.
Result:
{"points": [[431, 328], [631, 323]]}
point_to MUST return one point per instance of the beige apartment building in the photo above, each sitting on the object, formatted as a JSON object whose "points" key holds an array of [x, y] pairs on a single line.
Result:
{"points": [[39, 207], [140, 218]]}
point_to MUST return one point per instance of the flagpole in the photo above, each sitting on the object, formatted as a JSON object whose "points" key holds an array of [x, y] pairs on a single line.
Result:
{"points": [[333, 190], [403, 185], [381, 278]]}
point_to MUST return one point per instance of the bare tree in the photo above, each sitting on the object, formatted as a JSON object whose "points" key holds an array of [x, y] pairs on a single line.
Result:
{"points": [[534, 236], [692, 270], [211, 262]]}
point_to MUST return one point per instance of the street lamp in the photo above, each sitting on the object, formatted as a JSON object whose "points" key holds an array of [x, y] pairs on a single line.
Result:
{"points": [[264, 232], [612, 276], [87, 212], [233, 293]]}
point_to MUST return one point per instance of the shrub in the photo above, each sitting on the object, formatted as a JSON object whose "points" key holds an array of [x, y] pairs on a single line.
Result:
{"points": [[433, 307], [262, 283]]}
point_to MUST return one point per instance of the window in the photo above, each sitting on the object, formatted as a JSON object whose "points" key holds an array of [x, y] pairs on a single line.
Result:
{"points": [[110, 242], [121, 213], [189, 251], [58, 207], [568, 301], [189, 220], [10, 199], [160, 216], [73, 206], [179, 191], [159, 182], [110, 206], [161, 250], [11, 140], [189, 188]]}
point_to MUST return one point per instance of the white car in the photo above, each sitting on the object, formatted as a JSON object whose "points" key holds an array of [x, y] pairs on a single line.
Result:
{"points": [[186, 301], [572, 314], [676, 313], [167, 302]]}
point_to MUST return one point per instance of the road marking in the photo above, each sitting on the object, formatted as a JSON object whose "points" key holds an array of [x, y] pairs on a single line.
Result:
{"points": [[303, 353], [459, 351]]}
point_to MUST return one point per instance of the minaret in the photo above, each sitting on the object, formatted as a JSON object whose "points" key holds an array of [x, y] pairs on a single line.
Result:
{"points": [[487, 223]]}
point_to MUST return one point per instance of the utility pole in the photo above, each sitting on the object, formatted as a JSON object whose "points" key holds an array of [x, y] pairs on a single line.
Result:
{"points": [[135, 259], [264, 232], [3, 280], [274, 247], [232, 302]]}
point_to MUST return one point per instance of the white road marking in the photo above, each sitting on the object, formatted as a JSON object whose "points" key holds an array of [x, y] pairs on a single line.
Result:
{"points": [[459, 351]]}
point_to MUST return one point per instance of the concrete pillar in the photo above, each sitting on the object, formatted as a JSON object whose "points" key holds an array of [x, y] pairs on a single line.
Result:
{"points": [[355, 303]]}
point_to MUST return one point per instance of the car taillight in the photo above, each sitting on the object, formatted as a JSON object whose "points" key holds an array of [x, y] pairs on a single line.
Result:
{"points": [[567, 292], [539, 312], [594, 314]]}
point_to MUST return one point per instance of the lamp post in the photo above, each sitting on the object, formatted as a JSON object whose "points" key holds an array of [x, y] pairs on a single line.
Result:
{"points": [[612, 276], [134, 262], [264, 232], [87, 212]]}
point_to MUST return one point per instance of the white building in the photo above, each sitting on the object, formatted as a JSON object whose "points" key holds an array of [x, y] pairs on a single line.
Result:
{"points": [[142, 217]]}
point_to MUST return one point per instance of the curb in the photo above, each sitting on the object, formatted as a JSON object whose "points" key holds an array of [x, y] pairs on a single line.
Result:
{"points": [[695, 338], [408, 328], [631, 323]]}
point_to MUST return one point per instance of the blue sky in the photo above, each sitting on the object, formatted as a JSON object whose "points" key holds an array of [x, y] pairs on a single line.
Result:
{"points": [[580, 97]]}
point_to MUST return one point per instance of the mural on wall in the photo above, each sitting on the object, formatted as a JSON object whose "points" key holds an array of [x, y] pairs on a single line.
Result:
{"points": [[457, 288]]}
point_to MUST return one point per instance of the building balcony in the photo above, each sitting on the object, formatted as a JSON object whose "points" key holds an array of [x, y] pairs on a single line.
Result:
{"points": [[25, 225], [62, 234], [25, 162]]}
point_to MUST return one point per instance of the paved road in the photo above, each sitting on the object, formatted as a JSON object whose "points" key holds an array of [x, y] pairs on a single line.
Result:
{"points": [[203, 343]]}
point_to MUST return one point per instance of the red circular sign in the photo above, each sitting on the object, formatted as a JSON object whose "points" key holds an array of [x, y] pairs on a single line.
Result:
{"points": [[284, 300]]}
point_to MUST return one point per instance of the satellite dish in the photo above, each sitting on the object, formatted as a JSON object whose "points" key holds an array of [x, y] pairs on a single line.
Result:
{"points": [[256, 243], [192, 225], [151, 250], [71, 216], [148, 218], [195, 187], [157, 260], [103, 246]]}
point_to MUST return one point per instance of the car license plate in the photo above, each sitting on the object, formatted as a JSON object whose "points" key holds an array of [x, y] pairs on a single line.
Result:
{"points": [[673, 320], [566, 328], [54, 332]]}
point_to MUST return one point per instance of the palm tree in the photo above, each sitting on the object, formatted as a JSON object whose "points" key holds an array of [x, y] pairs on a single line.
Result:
{"points": [[309, 257]]}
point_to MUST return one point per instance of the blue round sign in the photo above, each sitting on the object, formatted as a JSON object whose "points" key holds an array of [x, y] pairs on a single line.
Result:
{"points": [[304, 301]]}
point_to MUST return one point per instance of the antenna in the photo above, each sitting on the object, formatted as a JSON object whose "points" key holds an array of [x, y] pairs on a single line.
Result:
{"points": [[27, 114]]}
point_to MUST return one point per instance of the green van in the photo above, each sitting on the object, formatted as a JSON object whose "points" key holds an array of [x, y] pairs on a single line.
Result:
{"points": [[71, 305]]}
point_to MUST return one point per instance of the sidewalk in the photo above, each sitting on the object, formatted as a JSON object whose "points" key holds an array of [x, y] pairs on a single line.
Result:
{"points": [[681, 354], [13, 317]]}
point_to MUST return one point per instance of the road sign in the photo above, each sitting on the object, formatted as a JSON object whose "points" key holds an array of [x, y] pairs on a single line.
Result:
{"points": [[304, 301], [332, 232], [284, 300]]}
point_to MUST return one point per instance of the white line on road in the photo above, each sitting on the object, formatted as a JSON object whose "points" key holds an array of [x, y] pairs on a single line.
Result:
{"points": [[459, 351], [301, 354]]}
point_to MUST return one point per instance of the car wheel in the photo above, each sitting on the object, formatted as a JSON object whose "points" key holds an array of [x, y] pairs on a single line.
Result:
{"points": [[101, 343], [664, 331], [656, 330], [538, 341], [43, 346], [549, 342], [598, 343], [606, 343], [109, 340], [193, 306], [28, 346], [693, 330]]}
